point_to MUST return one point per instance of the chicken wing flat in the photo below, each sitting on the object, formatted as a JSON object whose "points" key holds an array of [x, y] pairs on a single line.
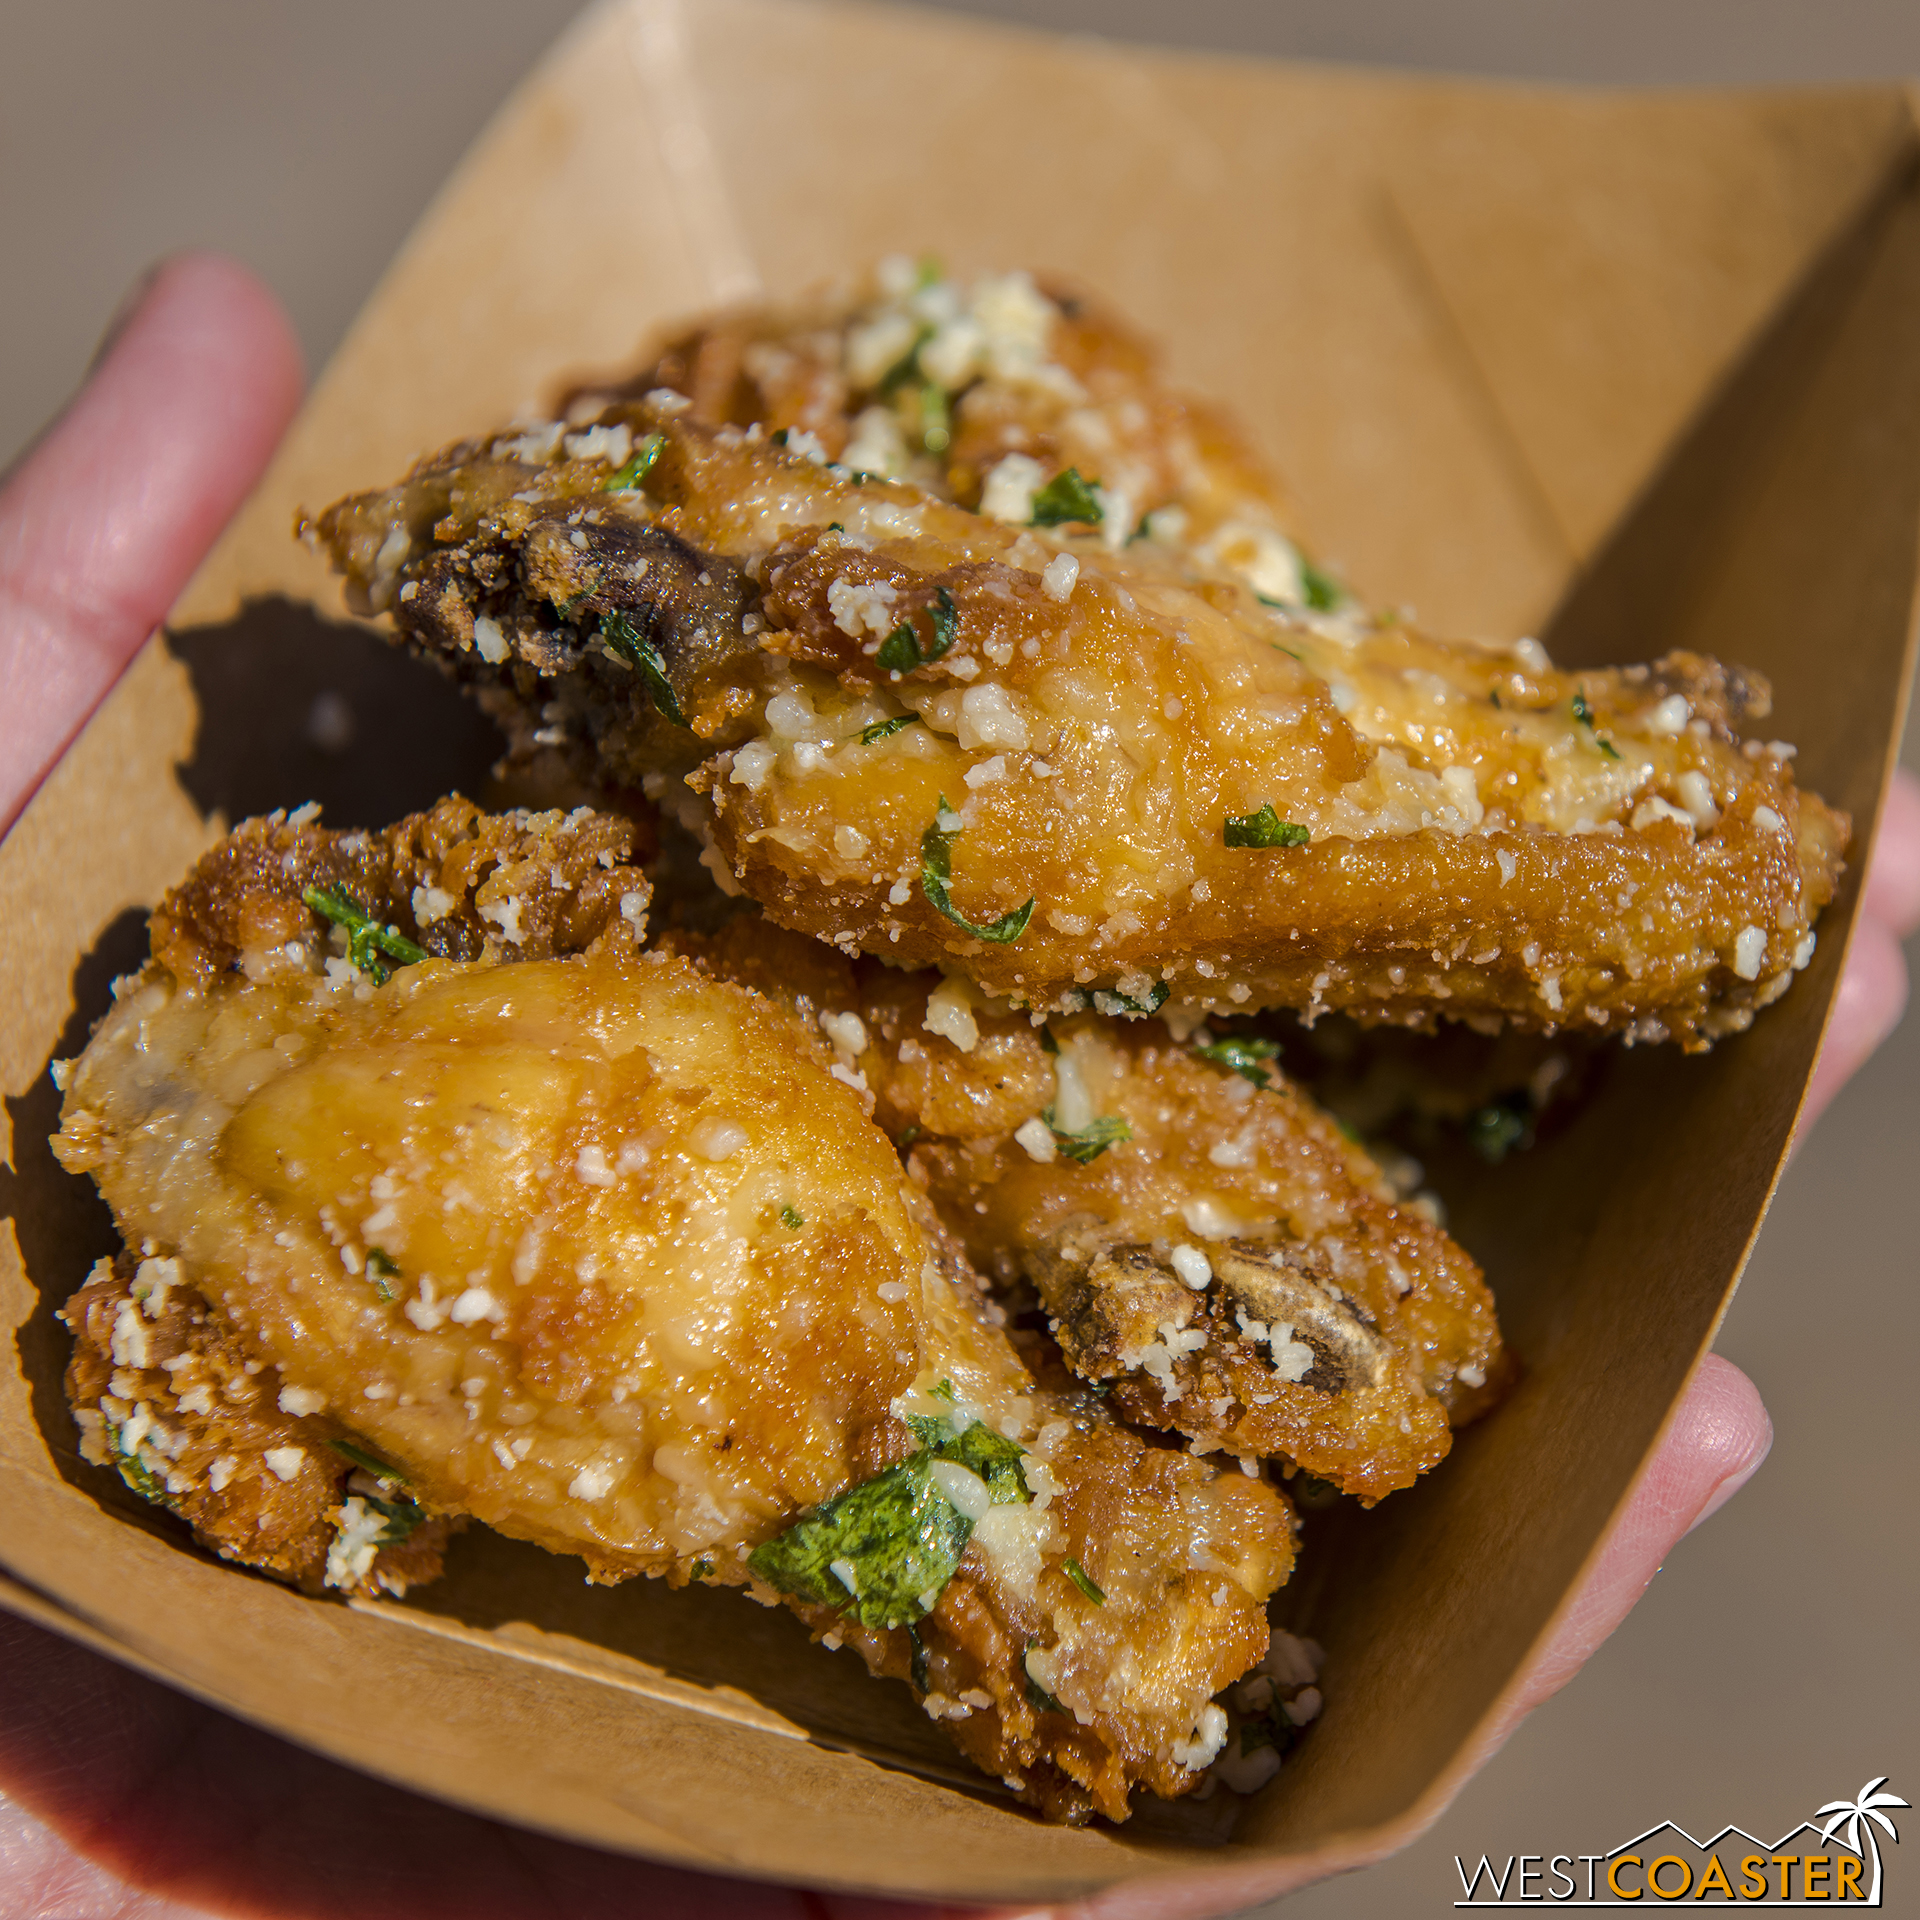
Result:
{"points": [[1076, 773], [988, 394], [567, 1236], [1206, 1242]]}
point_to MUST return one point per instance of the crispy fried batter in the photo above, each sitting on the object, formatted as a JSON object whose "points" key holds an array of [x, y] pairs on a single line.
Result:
{"points": [[597, 1250], [1317, 1320], [1106, 771], [459, 883], [166, 1391], [911, 376]]}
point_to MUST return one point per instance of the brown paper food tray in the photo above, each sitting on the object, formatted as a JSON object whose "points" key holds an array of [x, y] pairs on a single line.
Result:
{"points": [[1639, 371]]}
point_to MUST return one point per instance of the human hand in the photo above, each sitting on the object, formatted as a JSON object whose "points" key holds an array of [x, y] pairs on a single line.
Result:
{"points": [[123, 1800]]}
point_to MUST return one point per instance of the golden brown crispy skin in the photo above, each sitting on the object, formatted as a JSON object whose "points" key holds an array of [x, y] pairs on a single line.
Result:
{"points": [[166, 1392], [596, 1249], [912, 376], [1321, 1322], [460, 883], [1451, 829]]}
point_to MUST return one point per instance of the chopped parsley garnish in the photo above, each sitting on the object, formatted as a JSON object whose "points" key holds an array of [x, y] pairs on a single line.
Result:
{"points": [[936, 875], [882, 728], [1115, 1004], [643, 656], [1263, 829], [1038, 1697], [382, 1267], [907, 1139], [936, 420], [137, 1474], [703, 1568], [906, 367], [1584, 714], [793, 1218], [1092, 1140], [1323, 591], [1084, 1581], [1247, 1058], [402, 1515], [1272, 1729], [901, 651], [367, 940], [884, 1550], [1066, 497], [637, 465], [367, 1462], [1500, 1129]]}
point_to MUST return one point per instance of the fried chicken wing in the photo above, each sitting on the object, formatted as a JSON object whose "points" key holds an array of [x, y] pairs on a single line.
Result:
{"points": [[569, 1237], [1205, 1241], [1067, 771], [985, 394], [165, 1390]]}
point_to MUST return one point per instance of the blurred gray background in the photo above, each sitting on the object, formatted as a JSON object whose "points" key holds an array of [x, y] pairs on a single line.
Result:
{"points": [[1773, 1664]]}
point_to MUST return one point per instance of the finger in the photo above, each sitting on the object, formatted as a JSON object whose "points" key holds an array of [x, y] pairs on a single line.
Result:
{"points": [[1715, 1442], [1892, 891], [1871, 998], [104, 520]]}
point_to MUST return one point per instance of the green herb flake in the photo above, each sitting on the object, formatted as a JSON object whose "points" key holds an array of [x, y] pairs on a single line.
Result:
{"points": [[1263, 829], [703, 1568], [1092, 1140], [367, 940], [402, 1515], [1247, 1058], [1083, 1580], [908, 1138], [901, 651], [921, 1681], [792, 1218], [1116, 1005], [1584, 714], [1038, 1698], [367, 1462], [1500, 1129], [1273, 1730], [882, 728], [936, 876], [996, 1460], [1323, 591], [619, 633], [936, 419], [382, 1268], [137, 1474], [1066, 497], [897, 1535], [627, 477]]}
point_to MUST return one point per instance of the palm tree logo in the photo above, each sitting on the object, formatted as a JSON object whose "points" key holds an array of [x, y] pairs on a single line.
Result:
{"points": [[1859, 1816]]}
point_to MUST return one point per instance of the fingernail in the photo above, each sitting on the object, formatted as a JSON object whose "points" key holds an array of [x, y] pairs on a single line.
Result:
{"points": [[1728, 1487]]}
